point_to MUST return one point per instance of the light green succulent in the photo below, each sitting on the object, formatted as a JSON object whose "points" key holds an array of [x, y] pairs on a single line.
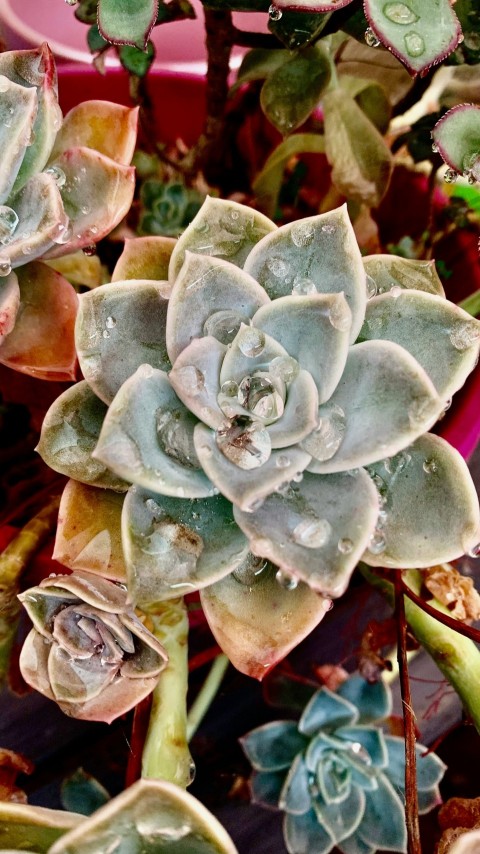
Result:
{"points": [[267, 410]]}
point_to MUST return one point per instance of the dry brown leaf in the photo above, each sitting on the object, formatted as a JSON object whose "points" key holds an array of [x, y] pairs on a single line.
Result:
{"points": [[455, 591]]}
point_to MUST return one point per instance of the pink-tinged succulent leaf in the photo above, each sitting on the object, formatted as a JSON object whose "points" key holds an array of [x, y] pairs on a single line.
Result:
{"points": [[89, 531], [384, 401], [144, 258], [173, 546], [457, 138], [18, 107], [391, 271], [9, 304], [42, 342], [70, 431], [222, 229], [97, 194], [312, 5], [317, 252], [406, 30], [149, 808], [236, 615], [38, 828], [110, 129], [292, 91], [147, 438], [195, 377], [127, 317], [123, 23], [42, 220], [360, 159], [431, 510], [80, 269], [317, 529], [443, 339]]}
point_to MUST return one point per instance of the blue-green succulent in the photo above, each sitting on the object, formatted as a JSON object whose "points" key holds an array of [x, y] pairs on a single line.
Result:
{"points": [[337, 775]]}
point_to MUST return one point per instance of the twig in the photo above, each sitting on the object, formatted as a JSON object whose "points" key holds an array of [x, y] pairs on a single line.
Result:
{"points": [[451, 622], [206, 694]]}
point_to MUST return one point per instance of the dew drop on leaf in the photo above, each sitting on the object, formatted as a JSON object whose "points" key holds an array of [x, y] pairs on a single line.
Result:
{"points": [[224, 325], [302, 233], [377, 543], [345, 546], [8, 223], [251, 342], [5, 266], [371, 39], [400, 13], [465, 335], [285, 580], [244, 442], [274, 13], [303, 286], [430, 466], [312, 533], [250, 570], [474, 551], [414, 43], [450, 176]]}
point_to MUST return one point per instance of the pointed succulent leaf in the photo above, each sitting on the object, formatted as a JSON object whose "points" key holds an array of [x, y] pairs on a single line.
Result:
{"points": [[383, 822], [370, 738], [387, 400], [342, 821], [266, 787], [391, 271], [430, 768], [80, 269], [431, 510], [251, 351], [9, 304], [314, 330], [147, 438], [300, 413], [105, 127], [235, 611], [406, 29], [326, 710], [173, 546], [97, 194], [242, 486], [429, 799], [373, 700], [18, 107], [273, 746], [205, 289], [144, 258], [457, 138], [293, 90], [42, 220], [316, 529], [317, 252], [88, 532], [42, 342], [82, 793], [150, 808], [295, 797], [195, 376], [354, 845], [360, 159], [303, 833], [69, 434], [38, 828], [223, 229], [126, 318], [268, 182], [121, 23]]}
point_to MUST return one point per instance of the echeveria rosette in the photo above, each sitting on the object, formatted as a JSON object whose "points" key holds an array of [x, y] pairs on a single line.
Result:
{"points": [[88, 650], [337, 775]]}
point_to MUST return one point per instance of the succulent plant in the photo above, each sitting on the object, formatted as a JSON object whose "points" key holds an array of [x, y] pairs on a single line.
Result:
{"points": [[63, 186], [337, 775], [167, 208], [269, 403]]}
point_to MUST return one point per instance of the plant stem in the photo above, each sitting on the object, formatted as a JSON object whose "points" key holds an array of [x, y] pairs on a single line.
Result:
{"points": [[206, 694], [471, 304], [165, 754], [411, 795]]}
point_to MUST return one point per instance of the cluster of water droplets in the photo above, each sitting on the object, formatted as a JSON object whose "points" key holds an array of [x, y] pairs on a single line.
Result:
{"points": [[110, 323], [250, 570], [224, 325], [405, 16], [465, 334]]}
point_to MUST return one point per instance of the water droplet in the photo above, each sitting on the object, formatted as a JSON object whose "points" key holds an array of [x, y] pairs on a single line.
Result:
{"points": [[106, 333], [282, 461], [191, 772], [414, 43], [302, 233], [312, 533], [250, 570], [465, 334], [175, 436], [370, 38], [328, 228], [303, 286], [251, 342], [284, 368], [371, 287], [110, 322], [274, 14], [395, 465], [377, 543], [224, 325], [62, 234], [474, 551], [244, 442], [339, 315], [71, 2], [345, 546], [278, 267], [285, 580], [434, 147], [259, 395], [8, 224], [5, 266], [400, 13], [358, 749], [450, 176], [430, 466], [89, 250], [325, 441], [57, 174], [395, 291]]}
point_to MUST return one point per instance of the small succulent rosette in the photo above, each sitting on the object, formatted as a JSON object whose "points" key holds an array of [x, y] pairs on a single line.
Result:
{"points": [[88, 650], [64, 184], [337, 775], [263, 397]]}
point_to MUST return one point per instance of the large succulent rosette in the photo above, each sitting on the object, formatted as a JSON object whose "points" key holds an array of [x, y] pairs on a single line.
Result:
{"points": [[64, 184], [266, 408]]}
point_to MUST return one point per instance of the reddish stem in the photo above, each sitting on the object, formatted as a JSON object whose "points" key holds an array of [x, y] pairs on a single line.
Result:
{"points": [[451, 622], [141, 717]]}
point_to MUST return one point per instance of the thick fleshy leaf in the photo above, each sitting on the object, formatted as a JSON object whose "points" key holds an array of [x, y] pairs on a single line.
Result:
{"points": [[258, 64], [406, 29], [18, 107], [94, 590], [314, 330], [37, 828], [354, 845], [266, 787], [359, 61], [387, 400], [149, 809], [97, 194], [42, 342], [204, 287], [42, 220], [370, 738], [223, 229], [317, 252], [373, 700], [300, 414], [9, 303], [106, 127], [383, 822], [341, 820], [431, 514], [273, 746], [235, 612], [250, 351], [317, 529], [82, 793], [390, 271], [293, 90], [268, 182], [88, 532], [120, 327], [77, 681], [430, 768], [147, 438], [69, 434], [457, 138], [295, 797], [244, 487], [121, 23], [326, 710], [304, 834], [360, 159], [195, 376], [173, 546], [443, 339], [79, 269], [144, 258]]}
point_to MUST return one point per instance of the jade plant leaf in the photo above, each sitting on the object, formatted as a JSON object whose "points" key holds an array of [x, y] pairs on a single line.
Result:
{"points": [[36, 827], [293, 90], [390, 271], [120, 22], [457, 139]]}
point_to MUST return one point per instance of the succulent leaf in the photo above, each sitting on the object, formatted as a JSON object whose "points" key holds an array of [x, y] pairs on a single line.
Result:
{"points": [[391, 271], [374, 830], [107, 128], [303, 833], [18, 108], [9, 304], [430, 768], [457, 138], [144, 258], [373, 700], [195, 377], [266, 787], [273, 746], [42, 220], [342, 823], [37, 827], [120, 23], [295, 794], [370, 738], [293, 89]]}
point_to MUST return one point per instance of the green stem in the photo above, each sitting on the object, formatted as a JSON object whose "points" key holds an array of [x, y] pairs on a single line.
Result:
{"points": [[165, 754], [206, 695], [471, 304]]}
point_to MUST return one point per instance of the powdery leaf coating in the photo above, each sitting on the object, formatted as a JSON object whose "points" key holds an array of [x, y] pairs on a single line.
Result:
{"points": [[457, 137]]}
